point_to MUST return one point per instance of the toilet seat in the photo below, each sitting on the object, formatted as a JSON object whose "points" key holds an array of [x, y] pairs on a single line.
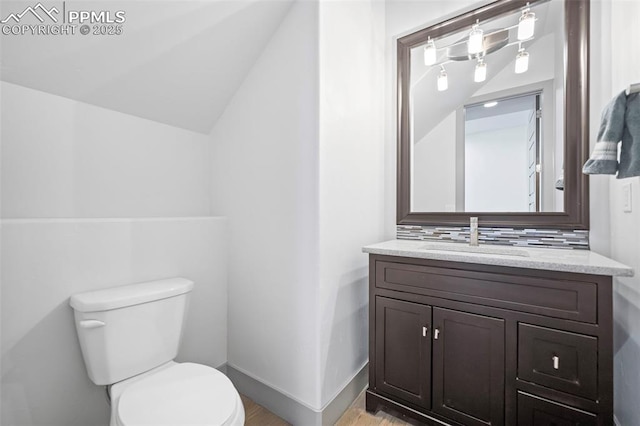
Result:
{"points": [[183, 394]]}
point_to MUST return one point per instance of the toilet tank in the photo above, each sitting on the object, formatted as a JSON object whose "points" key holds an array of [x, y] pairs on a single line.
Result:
{"points": [[130, 329]]}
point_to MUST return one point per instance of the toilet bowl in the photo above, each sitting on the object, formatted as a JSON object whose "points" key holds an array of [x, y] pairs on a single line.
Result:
{"points": [[177, 394], [129, 337]]}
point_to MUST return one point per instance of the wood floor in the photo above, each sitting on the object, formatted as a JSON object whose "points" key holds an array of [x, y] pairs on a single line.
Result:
{"points": [[356, 415], [257, 415]]}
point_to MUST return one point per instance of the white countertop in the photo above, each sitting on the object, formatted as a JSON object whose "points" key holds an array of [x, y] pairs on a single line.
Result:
{"points": [[579, 261]]}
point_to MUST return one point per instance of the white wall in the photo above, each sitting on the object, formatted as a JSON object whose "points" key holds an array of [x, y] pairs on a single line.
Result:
{"points": [[624, 65], [93, 198], [298, 171], [62, 158], [265, 174], [351, 181], [433, 186]]}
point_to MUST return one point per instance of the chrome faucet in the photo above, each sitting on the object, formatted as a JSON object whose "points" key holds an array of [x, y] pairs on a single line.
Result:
{"points": [[473, 232]]}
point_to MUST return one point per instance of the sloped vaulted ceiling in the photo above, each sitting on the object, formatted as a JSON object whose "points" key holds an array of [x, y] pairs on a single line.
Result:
{"points": [[176, 62]]}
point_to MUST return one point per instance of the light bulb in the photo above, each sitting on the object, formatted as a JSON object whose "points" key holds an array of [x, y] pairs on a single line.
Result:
{"points": [[430, 53], [526, 25], [475, 40], [443, 82], [481, 72], [522, 61]]}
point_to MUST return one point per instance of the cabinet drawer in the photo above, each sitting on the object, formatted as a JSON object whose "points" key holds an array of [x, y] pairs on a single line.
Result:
{"points": [[557, 359], [560, 298], [535, 411]]}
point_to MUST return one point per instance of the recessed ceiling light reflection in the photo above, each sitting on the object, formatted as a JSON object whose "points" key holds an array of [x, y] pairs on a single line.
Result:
{"points": [[490, 104]]}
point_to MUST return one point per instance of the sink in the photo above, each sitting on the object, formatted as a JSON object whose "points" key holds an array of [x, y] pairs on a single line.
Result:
{"points": [[503, 251]]}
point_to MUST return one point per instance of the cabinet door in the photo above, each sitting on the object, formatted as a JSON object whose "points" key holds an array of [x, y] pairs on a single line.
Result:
{"points": [[468, 367], [403, 350]]}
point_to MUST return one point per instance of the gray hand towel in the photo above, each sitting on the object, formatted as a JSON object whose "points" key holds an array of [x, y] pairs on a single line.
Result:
{"points": [[630, 147], [620, 122]]}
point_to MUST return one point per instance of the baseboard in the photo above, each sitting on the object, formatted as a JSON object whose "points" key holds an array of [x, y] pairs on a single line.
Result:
{"points": [[293, 411], [275, 401], [336, 408], [222, 368]]}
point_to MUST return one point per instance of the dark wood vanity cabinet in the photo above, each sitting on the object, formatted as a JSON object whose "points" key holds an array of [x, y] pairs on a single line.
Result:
{"points": [[471, 344]]}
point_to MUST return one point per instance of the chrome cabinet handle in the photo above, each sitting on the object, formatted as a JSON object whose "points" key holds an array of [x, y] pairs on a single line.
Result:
{"points": [[425, 330], [556, 362], [436, 333]]}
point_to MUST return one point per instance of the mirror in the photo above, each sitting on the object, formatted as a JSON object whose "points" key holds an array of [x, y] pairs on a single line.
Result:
{"points": [[493, 114]]}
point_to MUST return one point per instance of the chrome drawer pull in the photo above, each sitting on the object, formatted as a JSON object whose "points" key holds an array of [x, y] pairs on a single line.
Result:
{"points": [[436, 333], [425, 330], [556, 362]]}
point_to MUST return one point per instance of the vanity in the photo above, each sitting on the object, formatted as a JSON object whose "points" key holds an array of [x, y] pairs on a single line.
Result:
{"points": [[490, 335], [493, 129]]}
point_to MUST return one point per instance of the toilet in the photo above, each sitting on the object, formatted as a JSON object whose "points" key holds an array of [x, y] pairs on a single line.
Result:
{"points": [[129, 336]]}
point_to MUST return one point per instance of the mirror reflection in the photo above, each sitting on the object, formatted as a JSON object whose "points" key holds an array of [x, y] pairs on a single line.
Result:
{"points": [[487, 119]]}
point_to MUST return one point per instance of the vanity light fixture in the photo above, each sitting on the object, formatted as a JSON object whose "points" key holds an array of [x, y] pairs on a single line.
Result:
{"points": [[490, 104], [526, 24], [430, 53], [480, 74], [522, 61], [475, 43], [476, 48], [443, 82]]}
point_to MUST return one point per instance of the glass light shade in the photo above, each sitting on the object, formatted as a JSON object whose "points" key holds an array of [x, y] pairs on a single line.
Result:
{"points": [[430, 53], [522, 61], [443, 81], [526, 25], [480, 74], [475, 40]]}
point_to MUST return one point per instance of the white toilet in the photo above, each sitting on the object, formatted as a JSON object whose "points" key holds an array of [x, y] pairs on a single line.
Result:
{"points": [[129, 336]]}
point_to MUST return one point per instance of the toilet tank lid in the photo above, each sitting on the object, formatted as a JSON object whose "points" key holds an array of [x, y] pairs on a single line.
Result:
{"points": [[129, 295]]}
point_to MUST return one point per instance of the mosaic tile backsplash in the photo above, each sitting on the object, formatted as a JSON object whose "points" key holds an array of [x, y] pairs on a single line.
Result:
{"points": [[550, 238]]}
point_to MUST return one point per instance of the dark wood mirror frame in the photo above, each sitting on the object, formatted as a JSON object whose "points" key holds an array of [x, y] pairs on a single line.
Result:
{"points": [[576, 129]]}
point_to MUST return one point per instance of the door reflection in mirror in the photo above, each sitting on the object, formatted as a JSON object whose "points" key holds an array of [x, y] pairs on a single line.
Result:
{"points": [[498, 152], [501, 144]]}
